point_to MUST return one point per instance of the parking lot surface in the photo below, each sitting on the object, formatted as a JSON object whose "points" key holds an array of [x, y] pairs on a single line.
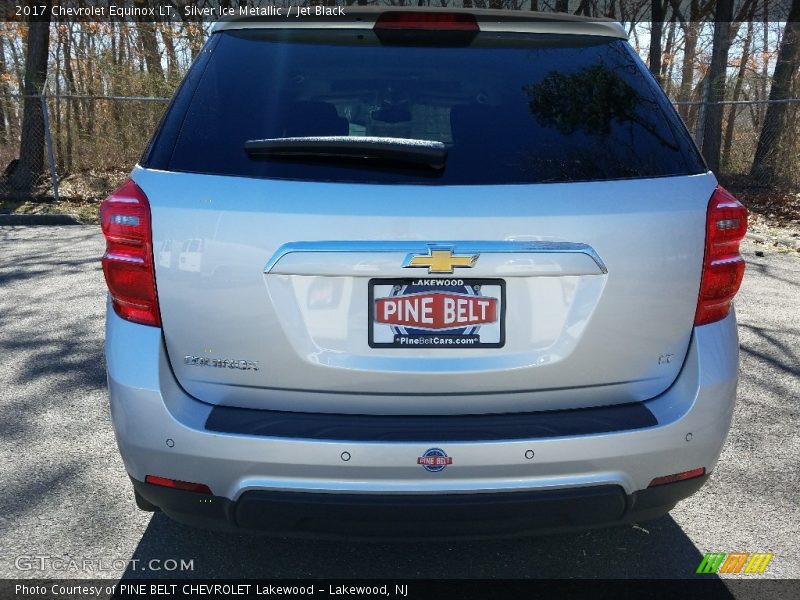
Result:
{"points": [[65, 494]]}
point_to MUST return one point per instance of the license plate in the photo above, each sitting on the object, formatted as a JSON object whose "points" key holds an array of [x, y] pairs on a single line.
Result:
{"points": [[437, 313]]}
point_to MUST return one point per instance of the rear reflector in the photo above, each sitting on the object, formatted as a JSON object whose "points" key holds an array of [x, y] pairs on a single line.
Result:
{"points": [[698, 472], [198, 488], [723, 266], [442, 21], [128, 261]]}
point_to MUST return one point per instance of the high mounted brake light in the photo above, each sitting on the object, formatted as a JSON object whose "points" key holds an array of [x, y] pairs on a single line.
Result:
{"points": [[128, 261], [443, 21], [723, 266]]}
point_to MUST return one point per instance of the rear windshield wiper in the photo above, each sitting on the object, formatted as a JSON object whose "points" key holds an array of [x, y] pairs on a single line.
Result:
{"points": [[417, 152]]}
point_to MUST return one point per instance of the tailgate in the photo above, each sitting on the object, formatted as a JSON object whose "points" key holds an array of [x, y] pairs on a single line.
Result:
{"points": [[268, 302]]}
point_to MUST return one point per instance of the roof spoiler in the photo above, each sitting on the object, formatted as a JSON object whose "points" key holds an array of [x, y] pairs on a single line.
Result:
{"points": [[499, 21]]}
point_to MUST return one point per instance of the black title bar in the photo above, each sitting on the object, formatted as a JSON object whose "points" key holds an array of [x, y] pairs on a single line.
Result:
{"points": [[202, 11], [706, 587]]}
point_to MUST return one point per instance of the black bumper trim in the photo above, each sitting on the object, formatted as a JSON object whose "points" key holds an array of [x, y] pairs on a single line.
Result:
{"points": [[441, 428], [415, 516]]}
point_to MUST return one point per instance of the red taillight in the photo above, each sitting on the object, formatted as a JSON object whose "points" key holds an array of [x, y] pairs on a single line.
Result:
{"points": [[427, 20], [683, 476], [128, 261], [723, 266], [188, 486]]}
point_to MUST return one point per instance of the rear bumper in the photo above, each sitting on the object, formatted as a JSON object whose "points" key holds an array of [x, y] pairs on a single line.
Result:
{"points": [[410, 516], [162, 431]]}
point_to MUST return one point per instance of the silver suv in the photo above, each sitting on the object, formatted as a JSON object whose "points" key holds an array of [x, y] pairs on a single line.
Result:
{"points": [[420, 273]]}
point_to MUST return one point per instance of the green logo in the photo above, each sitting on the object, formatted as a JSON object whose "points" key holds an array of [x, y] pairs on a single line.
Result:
{"points": [[734, 562]]}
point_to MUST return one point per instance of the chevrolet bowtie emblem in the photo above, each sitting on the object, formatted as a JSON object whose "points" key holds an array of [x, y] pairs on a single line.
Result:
{"points": [[440, 260]]}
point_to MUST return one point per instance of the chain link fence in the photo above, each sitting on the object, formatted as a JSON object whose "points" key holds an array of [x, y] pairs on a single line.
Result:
{"points": [[85, 141], [89, 143], [741, 128]]}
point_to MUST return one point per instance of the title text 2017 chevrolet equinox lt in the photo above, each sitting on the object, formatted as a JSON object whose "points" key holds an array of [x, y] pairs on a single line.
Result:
{"points": [[408, 273]]}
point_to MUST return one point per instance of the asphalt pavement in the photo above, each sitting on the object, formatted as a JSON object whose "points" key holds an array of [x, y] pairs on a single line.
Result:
{"points": [[64, 494]]}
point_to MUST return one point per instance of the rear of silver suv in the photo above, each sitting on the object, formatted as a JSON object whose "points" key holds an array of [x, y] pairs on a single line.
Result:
{"points": [[420, 273]]}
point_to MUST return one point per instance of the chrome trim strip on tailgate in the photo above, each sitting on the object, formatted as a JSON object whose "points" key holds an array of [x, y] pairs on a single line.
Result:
{"points": [[463, 247]]}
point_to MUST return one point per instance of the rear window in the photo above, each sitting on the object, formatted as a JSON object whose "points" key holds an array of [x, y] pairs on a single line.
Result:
{"points": [[509, 110]]}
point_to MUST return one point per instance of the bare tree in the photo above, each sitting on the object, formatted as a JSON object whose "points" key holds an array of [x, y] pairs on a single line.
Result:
{"points": [[657, 10], [737, 93], [4, 118], [667, 57], [691, 25], [73, 107], [768, 149], [31, 148], [149, 45], [717, 75]]}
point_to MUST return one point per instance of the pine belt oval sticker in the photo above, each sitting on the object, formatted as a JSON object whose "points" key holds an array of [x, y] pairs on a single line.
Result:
{"points": [[434, 460]]}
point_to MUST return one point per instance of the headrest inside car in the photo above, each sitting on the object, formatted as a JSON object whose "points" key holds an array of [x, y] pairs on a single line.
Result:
{"points": [[313, 118]]}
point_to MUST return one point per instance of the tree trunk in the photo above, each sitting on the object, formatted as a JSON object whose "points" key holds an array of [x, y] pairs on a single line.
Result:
{"points": [[656, 32], [117, 64], [172, 58], [91, 122], [768, 149], [687, 74], [73, 108], [712, 136], [562, 5], [31, 147], [19, 67], [668, 66], [737, 92], [58, 121], [584, 9], [691, 26], [149, 43], [5, 118], [762, 95]]}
